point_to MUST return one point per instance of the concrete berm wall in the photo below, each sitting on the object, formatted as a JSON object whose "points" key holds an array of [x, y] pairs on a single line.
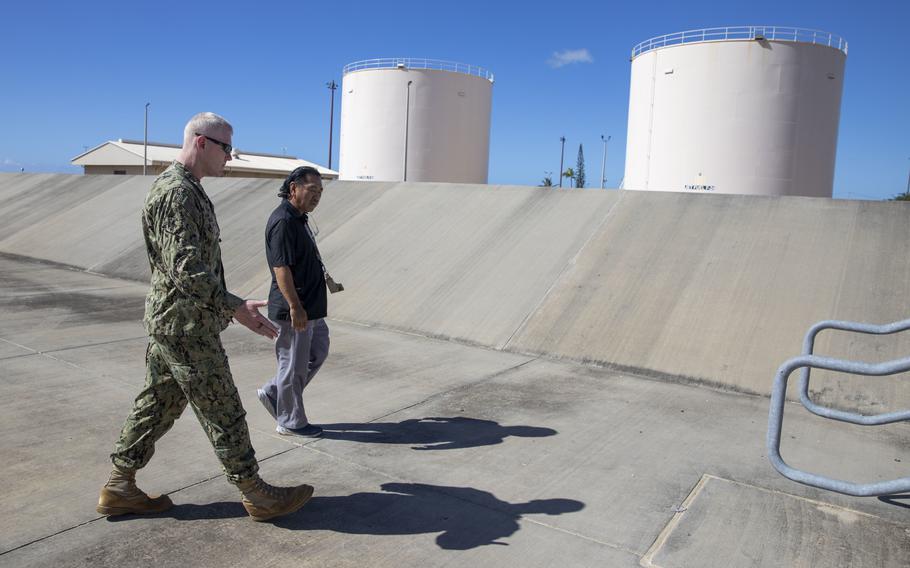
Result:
{"points": [[716, 289]]}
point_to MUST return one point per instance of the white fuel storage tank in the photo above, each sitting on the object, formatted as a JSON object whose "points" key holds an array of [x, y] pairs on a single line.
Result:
{"points": [[746, 110], [406, 119]]}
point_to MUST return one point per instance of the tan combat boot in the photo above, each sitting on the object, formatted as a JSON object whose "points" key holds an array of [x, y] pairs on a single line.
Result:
{"points": [[263, 501], [120, 496]]}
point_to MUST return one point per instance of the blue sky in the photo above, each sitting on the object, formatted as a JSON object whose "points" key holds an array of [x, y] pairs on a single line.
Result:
{"points": [[78, 73]]}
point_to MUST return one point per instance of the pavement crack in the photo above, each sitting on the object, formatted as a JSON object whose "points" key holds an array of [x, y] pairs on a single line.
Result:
{"points": [[20, 346], [61, 531], [47, 354], [102, 517], [72, 347]]}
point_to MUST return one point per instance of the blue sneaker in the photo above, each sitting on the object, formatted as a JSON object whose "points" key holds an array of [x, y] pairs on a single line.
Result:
{"points": [[308, 431], [267, 402]]}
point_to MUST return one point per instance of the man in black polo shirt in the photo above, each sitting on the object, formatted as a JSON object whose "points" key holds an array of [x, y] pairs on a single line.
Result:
{"points": [[297, 302]]}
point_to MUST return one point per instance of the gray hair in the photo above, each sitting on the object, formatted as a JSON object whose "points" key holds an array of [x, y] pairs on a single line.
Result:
{"points": [[205, 123]]}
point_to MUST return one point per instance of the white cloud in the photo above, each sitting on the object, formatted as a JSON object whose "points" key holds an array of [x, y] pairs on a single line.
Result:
{"points": [[11, 165], [569, 56]]}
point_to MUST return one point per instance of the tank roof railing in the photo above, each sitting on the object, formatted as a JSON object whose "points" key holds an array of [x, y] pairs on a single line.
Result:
{"points": [[416, 63], [739, 33]]}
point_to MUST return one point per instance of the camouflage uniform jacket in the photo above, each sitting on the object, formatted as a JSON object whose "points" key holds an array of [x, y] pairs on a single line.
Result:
{"points": [[188, 295]]}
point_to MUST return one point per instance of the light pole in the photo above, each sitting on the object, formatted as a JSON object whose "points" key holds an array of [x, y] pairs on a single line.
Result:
{"points": [[562, 154], [407, 117], [332, 86], [145, 143], [908, 180], [603, 164]]}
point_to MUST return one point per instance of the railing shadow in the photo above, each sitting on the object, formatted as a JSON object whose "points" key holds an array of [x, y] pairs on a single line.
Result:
{"points": [[896, 500], [432, 433]]}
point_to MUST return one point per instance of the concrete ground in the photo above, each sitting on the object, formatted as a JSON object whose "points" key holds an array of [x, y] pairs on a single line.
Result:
{"points": [[436, 453]]}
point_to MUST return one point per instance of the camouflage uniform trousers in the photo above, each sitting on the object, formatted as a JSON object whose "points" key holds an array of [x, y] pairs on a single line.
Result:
{"points": [[194, 370]]}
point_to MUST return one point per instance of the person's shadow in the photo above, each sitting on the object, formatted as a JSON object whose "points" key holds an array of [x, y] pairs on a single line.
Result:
{"points": [[432, 433], [465, 517]]}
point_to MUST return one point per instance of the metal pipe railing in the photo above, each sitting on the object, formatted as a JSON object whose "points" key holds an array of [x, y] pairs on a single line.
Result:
{"points": [[851, 417], [417, 63], [739, 33], [776, 417]]}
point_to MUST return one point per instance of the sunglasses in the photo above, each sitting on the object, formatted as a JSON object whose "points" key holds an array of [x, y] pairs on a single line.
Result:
{"points": [[226, 147]]}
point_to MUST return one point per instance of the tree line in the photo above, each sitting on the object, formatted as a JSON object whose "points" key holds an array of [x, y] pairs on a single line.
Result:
{"points": [[576, 176]]}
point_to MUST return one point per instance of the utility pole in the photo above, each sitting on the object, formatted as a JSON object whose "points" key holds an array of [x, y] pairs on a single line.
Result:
{"points": [[145, 143], [407, 117], [332, 86], [562, 154], [603, 164], [908, 180]]}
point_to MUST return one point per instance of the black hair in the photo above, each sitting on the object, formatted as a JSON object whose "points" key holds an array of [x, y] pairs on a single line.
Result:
{"points": [[299, 173]]}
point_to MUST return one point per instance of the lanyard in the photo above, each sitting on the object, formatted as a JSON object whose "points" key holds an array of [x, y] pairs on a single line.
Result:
{"points": [[315, 246], [329, 281]]}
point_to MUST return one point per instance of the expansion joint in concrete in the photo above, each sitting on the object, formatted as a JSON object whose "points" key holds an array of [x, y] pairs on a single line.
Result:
{"points": [[560, 276]]}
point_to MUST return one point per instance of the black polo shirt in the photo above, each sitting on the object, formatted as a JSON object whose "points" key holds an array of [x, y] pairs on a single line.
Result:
{"points": [[288, 243]]}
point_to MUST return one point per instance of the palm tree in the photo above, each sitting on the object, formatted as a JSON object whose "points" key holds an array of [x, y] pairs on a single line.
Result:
{"points": [[569, 173]]}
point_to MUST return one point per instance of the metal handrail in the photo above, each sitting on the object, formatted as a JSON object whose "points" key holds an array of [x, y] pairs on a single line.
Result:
{"points": [[808, 361], [417, 63], [851, 417], [739, 33]]}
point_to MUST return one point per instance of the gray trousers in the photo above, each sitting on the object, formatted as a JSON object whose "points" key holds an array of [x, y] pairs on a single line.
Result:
{"points": [[300, 355]]}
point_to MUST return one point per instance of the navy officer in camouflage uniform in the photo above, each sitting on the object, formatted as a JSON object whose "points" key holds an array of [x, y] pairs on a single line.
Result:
{"points": [[187, 308]]}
